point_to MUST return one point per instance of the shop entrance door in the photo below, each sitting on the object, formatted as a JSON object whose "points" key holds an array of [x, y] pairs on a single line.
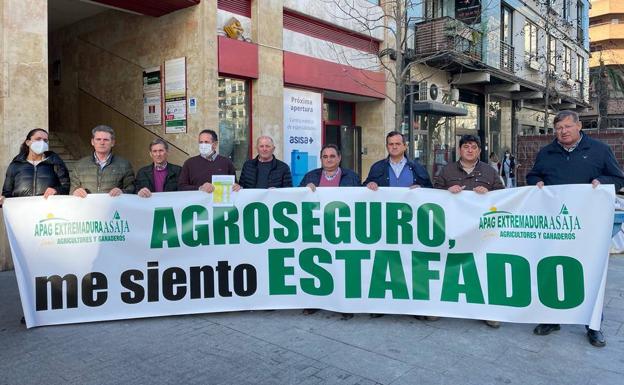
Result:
{"points": [[349, 141]]}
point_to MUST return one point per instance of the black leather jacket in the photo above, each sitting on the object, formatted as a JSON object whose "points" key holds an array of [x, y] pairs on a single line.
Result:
{"points": [[24, 179]]}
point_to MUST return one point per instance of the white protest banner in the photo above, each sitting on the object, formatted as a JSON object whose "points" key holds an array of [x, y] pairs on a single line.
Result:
{"points": [[518, 255]]}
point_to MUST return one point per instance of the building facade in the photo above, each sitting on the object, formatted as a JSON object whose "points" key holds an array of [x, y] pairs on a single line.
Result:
{"points": [[606, 32], [502, 62], [289, 69]]}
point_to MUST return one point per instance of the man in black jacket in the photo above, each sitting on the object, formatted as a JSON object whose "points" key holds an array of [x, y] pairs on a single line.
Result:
{"points": [[574, 158], [265, 170], [159, 176]]}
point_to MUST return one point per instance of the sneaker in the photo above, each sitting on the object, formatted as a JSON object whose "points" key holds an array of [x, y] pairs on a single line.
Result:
{"points": [[596, 338]]}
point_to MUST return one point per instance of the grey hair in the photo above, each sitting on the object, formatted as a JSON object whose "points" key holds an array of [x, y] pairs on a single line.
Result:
{"points": [[103, 128], [561, 115], [159, 141], [265, 137]]}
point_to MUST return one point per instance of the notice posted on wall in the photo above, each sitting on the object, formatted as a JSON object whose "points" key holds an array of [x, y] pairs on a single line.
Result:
{"points": [[152, 96], [302, 131], [175, 96]]}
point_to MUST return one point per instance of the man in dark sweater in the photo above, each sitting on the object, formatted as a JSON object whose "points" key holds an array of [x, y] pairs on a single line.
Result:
{"points": [[265, 170], [574, 158], [159, 176], [197, 171]]}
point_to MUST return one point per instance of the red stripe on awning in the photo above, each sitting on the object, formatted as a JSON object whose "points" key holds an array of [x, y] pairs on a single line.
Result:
{"points": [[238, 58], [316, 73]]}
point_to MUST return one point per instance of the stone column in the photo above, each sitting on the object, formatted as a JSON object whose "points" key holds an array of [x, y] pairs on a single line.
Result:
{"points": [[267, 91], [23, 82]]}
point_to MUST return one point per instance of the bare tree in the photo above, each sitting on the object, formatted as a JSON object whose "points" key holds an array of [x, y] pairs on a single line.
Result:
{"points": [[403, 64]]}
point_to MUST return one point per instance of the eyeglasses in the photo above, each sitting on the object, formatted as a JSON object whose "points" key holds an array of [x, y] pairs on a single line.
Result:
{"points": [[568, 127]]}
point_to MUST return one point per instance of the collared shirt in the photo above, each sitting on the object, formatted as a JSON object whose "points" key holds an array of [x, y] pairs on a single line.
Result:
{"points": [[572, 147], [211, 157], [102, 163], [468, 169], [398, 167], [482, 175], [160, 167], [330, 181]]}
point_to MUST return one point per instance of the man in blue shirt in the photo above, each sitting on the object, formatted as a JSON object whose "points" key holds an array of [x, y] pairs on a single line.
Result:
{"points": [[574, 158], [396, 170]]}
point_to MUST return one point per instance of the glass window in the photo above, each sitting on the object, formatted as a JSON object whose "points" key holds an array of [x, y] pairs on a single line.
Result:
{"points": [[433, 9], [330, 110], [530, 41], [552, 58], [580, 36], [567, 61], [580, 68], [234, 135], [506, 25]]}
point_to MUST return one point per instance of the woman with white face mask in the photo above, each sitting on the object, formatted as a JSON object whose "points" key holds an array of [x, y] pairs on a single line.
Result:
{"points": [[35, 170]]}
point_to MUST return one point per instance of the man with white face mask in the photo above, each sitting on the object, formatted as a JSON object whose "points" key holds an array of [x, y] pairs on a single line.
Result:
{"points": [[197, 171]]}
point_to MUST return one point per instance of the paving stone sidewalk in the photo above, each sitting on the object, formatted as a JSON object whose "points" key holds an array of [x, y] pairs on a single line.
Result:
{"points": [[286, 347]]}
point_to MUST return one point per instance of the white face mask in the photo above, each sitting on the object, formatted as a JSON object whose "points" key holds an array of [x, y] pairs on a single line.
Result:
{"points": [[205, 149], [38, 147]]}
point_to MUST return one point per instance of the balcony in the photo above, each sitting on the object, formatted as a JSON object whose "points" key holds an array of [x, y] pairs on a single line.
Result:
{"points": [[605, 7], [614, 56], [604, 32], [507, 52], [443, 37]]}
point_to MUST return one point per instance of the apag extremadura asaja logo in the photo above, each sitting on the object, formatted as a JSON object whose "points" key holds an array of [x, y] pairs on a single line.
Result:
{"points": [[64, 231], [531, 226]]}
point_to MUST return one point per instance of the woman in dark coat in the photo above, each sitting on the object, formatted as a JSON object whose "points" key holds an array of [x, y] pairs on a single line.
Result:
{"points": [[35, 170]]}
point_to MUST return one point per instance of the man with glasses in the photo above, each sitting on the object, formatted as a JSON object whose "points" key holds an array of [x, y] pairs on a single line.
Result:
{"points": [[574, 158], [330, 174]]}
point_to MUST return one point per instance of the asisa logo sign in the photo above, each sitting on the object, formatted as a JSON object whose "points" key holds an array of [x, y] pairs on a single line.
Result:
{"points": [[531, 226], [64, 231]]}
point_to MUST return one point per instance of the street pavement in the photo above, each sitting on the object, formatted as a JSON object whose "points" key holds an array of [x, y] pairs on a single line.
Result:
{"points": [[286, 347]]}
